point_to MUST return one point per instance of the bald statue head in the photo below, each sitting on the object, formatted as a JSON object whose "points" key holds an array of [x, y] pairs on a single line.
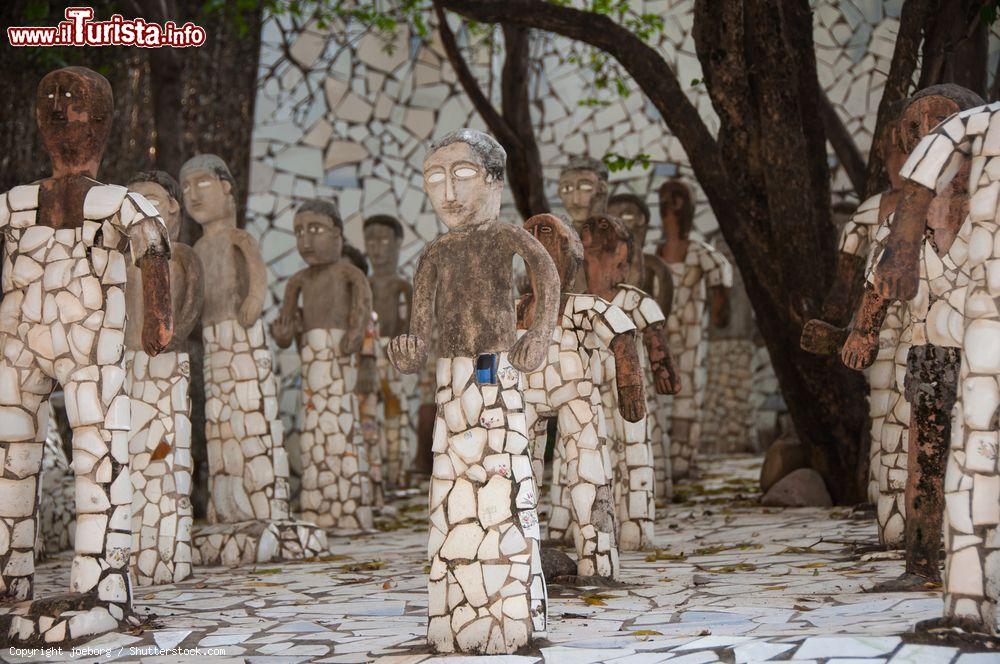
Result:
{"points": [[634, 212], [73, 109], [560, 241], [676, 206], [583, 188], [607, 252], [208, 188]]}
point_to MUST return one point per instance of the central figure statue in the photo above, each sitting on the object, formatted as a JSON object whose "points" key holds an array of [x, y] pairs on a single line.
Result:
{"points": [[487, 594]]}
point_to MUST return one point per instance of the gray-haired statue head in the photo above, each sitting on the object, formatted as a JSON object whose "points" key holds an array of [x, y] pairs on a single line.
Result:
{"points": [[463, 176], [208, 188]]}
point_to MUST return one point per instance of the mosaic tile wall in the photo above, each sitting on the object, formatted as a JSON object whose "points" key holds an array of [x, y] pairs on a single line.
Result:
{"points": [[339, 115]]}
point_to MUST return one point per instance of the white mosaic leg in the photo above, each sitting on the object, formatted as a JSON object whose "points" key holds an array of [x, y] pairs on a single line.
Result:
{"points": [[891, 505], [881, 378], [632, 459], [972, 482], [24, 414], [57, 512], [160, 450], [659, 408], [685, 423], [336, 490], [486, 591], [373, 437], [247, 465]]}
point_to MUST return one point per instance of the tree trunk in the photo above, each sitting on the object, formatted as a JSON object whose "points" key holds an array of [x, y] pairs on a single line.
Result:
{"points": [[955, 48], [773, 207], [512, 125]]}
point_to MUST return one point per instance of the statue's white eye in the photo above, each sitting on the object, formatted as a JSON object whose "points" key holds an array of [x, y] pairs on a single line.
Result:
{"points": [[435, 177], [204, 183], [51, 96], [628, 217], [465, 172], [68, 94], [586, 186], [567, 188]]}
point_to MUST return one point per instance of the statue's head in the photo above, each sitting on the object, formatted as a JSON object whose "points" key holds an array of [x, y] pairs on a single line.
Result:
{"points": [[162, 190], [676, 205], [583, 188], [607, 251], [73, 109], [208, 188], [383, 239], [562, 243], [634, 212], [463, 176], [930, 107], [319, 232]]}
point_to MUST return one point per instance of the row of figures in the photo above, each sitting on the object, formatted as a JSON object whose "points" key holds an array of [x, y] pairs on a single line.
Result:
{"points": [[914, 307], [100, 297]]}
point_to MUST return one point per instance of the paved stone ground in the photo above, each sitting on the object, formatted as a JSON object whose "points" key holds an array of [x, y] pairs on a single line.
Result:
{"points": [[731, 582]]}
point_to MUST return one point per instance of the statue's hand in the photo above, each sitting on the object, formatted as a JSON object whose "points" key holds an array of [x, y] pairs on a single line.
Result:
{"points": [[821, 338], [859, 350], [665, 377], [408, 353], [156, 334], [528, 352], [631, 402], [249, 311], [351, 343], [284, 327]]}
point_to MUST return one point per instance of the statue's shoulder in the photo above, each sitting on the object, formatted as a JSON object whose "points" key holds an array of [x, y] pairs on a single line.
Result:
{"points": [[18, 202], [106, 200]]}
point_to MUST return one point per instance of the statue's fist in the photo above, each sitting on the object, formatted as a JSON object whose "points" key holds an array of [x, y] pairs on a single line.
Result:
{"points": [[632, 402], [665, 377], [408, 353], [156, 334], [821, 338], [527, 353], [859, 350]]}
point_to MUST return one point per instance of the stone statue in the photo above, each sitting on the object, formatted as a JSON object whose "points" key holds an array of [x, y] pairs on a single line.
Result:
{"points": [[484, 532], [583, 190], [649, 273], [827, 335], [896, 466], [66, 242], [564, 388], [702, 279], [160, 437], [608, 249], [960, 333], [330, 325], [392, 293], [247, 464]]}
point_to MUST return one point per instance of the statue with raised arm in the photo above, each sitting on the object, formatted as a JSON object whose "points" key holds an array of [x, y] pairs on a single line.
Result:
{"points": [[484, 534], [608, 248], [67, 241], [326, 309], [160, 437], [702, 279], [392, 293], [564, 388]]}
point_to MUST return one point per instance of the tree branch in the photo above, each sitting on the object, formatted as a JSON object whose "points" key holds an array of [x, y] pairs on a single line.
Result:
{"points": [[844, 146], [897, 83]]}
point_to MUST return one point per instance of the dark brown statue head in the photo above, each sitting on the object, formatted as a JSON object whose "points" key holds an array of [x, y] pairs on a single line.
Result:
{"points": [[73, 108]]}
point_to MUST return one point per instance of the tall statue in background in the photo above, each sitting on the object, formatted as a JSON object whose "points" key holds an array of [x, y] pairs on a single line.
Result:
{"points": [[607, 246], [702, 279], [329, 327], [160, 437], [247, 464], [391, 294], [67, 240], [650, 274], [484, 535], [583, 190]]}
